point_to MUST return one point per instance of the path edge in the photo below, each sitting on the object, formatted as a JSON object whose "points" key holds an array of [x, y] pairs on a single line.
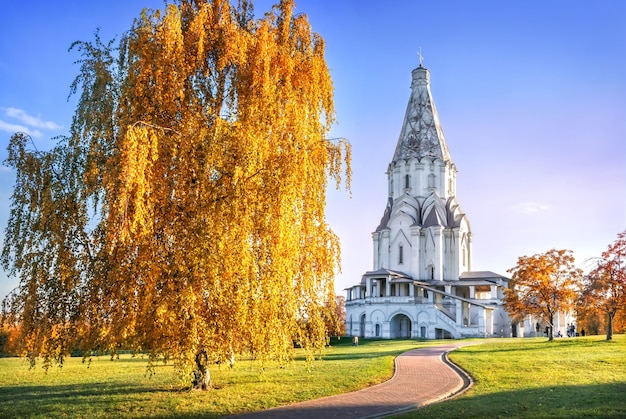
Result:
{"points": [[468, 382]]}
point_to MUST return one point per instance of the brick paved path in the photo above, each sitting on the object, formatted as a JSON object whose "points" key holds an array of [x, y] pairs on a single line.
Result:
{"points": [[422, 376]]}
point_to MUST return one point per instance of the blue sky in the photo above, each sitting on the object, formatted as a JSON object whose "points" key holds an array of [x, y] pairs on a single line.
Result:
{"points": [[531, 96]]}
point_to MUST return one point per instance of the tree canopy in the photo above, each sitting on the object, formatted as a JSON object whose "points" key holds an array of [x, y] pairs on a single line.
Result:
{"points": [[183, 215], [542, 285], [604, 290]]}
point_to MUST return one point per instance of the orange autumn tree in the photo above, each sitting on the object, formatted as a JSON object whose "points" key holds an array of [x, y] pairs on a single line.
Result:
{"points": [[184, 214], [336, 317], [543, 285], [604, 291]]}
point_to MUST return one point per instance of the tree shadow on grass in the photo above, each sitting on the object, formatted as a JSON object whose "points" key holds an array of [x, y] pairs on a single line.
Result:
{"points": [[558, 401], [13, 394], [67, 399]]}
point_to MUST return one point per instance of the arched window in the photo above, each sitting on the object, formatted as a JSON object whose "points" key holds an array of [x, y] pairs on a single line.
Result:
{"points": [[400, 254], [377, 330], [407, 181]]}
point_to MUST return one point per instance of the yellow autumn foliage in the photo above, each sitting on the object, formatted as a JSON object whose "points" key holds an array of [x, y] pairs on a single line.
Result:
{"points": [[203, 151]]}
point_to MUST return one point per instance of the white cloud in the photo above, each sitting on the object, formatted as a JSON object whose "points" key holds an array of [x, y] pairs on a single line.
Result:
{"points": [[13, 128], [29, 124], [531, 207], [31, 120]]}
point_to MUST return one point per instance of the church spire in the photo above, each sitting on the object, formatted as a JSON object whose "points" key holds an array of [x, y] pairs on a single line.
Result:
{"points": [[421, 135]]}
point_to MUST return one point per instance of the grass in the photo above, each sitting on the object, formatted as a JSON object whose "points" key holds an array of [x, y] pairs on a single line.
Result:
{"points": [[121, 388], [578, 377], [566, 378]]}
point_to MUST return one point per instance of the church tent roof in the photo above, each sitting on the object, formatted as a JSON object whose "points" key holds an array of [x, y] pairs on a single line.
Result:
{"points": [[421, 135]]}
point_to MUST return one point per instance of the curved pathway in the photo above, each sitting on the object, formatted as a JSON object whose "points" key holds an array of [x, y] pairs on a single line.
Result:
{"points": [[422, 376]]}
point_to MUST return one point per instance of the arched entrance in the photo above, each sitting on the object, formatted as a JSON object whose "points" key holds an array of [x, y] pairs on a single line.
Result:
{"points": [[400, 327]]}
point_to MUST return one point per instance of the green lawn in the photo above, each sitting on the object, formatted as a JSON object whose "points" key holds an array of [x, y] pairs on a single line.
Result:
{"points": [[567, 378], [121, 388], [579, 377]]}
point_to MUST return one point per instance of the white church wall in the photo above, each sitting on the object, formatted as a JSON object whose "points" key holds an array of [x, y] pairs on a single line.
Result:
{"points": [[451, 254], [432, 262], [415, 252], [440, 176], [466, 254], [378, 321], [383, 252], [425, 320], [422, 178], [450, 179], [375, 250], [400, 247]]}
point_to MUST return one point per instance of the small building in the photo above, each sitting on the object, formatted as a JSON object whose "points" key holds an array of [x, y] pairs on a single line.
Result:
{"points": [[422, 284]]}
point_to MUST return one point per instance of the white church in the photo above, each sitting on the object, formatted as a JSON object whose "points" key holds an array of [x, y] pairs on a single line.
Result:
{"points": [[422, 285]]}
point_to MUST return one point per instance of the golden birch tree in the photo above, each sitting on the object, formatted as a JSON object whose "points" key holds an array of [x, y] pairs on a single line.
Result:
{"points": [[184, 215], [604, 291], [543, 285]]}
